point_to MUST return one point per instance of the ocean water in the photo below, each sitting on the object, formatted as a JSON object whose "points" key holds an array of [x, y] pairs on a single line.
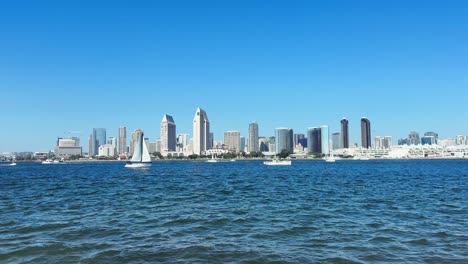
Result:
{"points": [[235, 212]]}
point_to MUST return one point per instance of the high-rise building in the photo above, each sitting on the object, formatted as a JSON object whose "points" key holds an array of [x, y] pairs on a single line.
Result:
{"points": [[90, 145], [182, 142], [201, 132], [365, 133], [211, 140], [414, 138], [168, 134], [383, 142], [314, 141], [112, 141], [98, 139], [432, 134], [232, 141], [253, 137], [284, 140], [134, 139], [325, 137], [344, 133], [122, 143], [298, 138], [263, 143], [242, 147], [336, 138], [428, 140]]}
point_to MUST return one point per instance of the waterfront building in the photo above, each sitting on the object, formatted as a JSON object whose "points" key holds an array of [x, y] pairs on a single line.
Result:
{"points": [[336, 143], [314, 141], [365, 133], [253, 137], [284, 140], [201, 132], [152, 147], [344, 133], [168, 134], [106, 150], [414, 138], [158, 145], [98, 139], [428, 140], [232, 141], [122, 142], [325, 139], [67, 147], [297, 139], [432, 134], [211, 140]]}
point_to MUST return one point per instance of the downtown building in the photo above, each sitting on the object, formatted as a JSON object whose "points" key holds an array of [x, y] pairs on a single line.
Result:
{"points": [[98, 138], [344, 133], [201, 132], [284, 140], [232, 141], [365, 133], [168, 134], [253, 138], [314, 141], [122, 141], [336, 140], [67, 147], [413, 138], [383, 142]]}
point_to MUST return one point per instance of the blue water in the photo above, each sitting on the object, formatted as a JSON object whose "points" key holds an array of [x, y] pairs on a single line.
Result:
{"points": [[235, 212]]}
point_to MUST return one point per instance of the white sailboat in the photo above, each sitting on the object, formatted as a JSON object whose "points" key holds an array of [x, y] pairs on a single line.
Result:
{"points": [[141, 157], [213, 158], [330, 157]]}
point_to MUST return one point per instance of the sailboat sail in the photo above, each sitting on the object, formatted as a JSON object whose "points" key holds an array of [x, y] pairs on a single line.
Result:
{"points": [[146, 156], [138, 149]]}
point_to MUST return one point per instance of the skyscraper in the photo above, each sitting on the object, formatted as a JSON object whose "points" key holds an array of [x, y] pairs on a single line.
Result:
{"points": [[298, 138], [232, 141], [98, 139], [263, 143], [414, 138], [344, 133], [284, 140], [365, 133], [242, 142], [201, 131], [336, 138], [122, 142], [325, 138], [314, 141], [168, 134], [253, 137]]}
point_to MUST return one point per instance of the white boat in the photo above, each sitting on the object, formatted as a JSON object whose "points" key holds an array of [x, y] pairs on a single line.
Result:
{"points": [[48, 161], [277, 162], [213, 159], [330, 158], [12, 164], [233, 160], [141, 157]]}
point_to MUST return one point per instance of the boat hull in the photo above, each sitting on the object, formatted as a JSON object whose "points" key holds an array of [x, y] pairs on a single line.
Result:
{"points": [[278, 163], [138, 165]]}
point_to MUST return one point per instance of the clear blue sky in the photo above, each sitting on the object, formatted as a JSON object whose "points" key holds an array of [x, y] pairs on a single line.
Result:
{"points": [[75, 65]]}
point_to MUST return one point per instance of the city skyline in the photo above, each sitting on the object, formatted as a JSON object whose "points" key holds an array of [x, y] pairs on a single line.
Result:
{"points": [[401, 64]]}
